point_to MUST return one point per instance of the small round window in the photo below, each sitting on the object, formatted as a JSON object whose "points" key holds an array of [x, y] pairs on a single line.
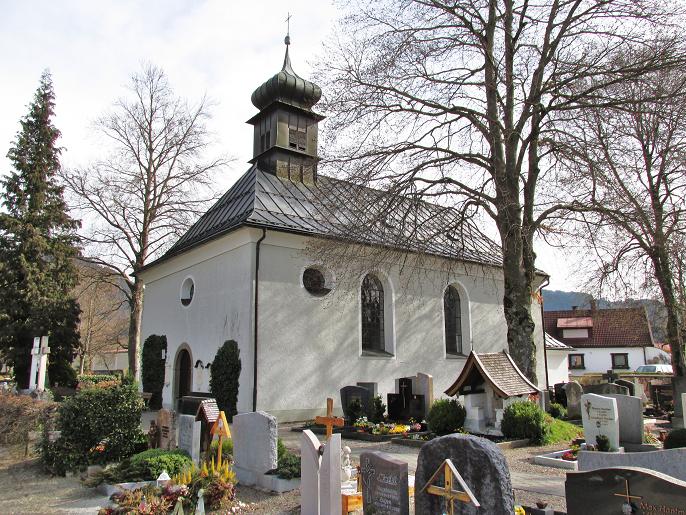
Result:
{"points": [[187, 290], [314, 282]]}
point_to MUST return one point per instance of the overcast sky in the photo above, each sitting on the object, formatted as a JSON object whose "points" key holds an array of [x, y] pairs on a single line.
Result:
{"points": [[221, 48]]}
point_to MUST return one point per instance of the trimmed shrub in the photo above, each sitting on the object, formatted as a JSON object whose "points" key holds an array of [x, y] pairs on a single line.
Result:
{"points": [[676, 438], [86, 380], [224, 374], [98, 425], [288, 466], [525, 419], [354, 411], [557, 410], [377, 410], [446, 416], [602, 443], [153, 368], [148, 465]]}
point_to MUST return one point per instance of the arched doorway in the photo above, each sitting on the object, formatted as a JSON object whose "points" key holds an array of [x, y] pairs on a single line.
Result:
{"points": [[182, 373]]}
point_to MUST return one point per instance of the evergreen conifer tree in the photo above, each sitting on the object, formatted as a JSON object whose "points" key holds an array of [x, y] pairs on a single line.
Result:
{"points": [[37, 247]]}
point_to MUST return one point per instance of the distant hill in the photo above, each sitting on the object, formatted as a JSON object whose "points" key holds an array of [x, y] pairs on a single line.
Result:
{"points": [[555, 300]]}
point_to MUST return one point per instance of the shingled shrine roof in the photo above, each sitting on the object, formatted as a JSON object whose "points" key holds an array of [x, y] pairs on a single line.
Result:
{"points": [[208, 411], [335, 208], [498, 370]]}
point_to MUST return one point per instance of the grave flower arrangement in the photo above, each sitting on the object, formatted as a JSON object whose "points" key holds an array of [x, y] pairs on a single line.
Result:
{"points": [[571, 454]]}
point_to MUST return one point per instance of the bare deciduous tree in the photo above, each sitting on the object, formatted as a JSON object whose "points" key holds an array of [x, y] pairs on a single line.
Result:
{"points": [[152, 186], [455, 101], [103, 323], [628, 166]]}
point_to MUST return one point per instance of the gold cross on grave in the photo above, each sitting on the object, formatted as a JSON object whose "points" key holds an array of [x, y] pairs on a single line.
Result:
{"points": [[329, 420], [450, 475], [626, 494]]}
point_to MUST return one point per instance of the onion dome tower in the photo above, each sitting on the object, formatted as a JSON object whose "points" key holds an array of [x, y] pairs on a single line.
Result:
{"points": [[286, 130]]}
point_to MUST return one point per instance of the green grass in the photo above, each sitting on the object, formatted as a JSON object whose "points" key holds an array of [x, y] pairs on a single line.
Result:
{"points": [[561, 431]]}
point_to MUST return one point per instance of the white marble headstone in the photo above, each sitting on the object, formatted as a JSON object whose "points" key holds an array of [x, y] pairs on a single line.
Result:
{"points": [[320, 475], [35, 356], [189, 432], [254, 445], [310, 460], [330, 478], [425, 386], [600, 417]]}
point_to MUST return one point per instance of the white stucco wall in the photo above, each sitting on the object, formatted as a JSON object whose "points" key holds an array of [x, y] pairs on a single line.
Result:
{"points": [[110, 361], [599, 360], [558, 372], [220, 310], [309, 347]]}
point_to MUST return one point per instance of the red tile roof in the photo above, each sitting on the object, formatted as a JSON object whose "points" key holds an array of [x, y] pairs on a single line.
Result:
{"points": [[620, 327], [498, 370]]}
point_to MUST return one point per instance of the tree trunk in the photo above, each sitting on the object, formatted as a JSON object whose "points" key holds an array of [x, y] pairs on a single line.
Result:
{"points": [[136, 304]]}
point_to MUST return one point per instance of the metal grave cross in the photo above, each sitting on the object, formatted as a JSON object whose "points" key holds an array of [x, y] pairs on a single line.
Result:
{"points": [[610, 376], [450, 475], [329, 420]]}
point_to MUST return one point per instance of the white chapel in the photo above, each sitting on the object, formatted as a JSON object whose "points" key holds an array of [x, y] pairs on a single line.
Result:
{"points": [[279, 265]]}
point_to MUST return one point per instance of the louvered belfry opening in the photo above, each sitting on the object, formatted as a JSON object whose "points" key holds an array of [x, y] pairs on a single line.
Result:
{"points": [[286, 128]]}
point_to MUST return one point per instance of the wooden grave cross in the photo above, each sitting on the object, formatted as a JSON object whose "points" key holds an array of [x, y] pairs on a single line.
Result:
{"points": [[329, 420], [446, 491], [626, 495], [220, 428]]}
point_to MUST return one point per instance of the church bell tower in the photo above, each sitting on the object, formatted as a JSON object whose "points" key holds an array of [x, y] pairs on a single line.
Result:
{"points": [[285, 141]]}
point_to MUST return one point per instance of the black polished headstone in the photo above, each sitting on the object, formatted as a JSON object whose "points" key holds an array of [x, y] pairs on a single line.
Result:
{"points": [[482, 466], [396, 410], [351, 393], [384, 484], [624, 490], [561, 394], [416, 409], [405, 390]]}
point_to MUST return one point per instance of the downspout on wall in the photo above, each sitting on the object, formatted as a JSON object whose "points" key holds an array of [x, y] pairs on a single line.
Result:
{"points": [[256, 299], [545, 351]]}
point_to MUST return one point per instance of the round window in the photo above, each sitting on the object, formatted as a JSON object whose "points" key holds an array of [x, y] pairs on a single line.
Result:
{"points": [[314, 282], [187, 290]]}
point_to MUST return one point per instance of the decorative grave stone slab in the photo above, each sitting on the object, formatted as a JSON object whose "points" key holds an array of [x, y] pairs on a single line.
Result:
{"points": [[630, 412], [254, 445], [573, 391], [351, 393], [668, 461], [166, 421], [483, 469], [599, 416], [604, 389], [189, 432], [424, 386], [623, 382], [384, 484], [624, 491], [405, 404]]}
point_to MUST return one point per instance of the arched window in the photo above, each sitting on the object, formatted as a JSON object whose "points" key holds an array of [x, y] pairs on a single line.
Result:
{"points": [[453, 321], [372, 315]]}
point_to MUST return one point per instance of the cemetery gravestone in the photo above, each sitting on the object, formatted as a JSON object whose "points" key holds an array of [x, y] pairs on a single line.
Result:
{"points": [[405, 405], [189, 436], [384, 484], [623, 382], [320, 476], [425, 387], [42, 363], [599, 416], [254, 445], [630, 412], [482, 467], [35, 354], [560, 395], [665, 461], [604, 389], [573, 391], [166, 421], [351, 393], [624, 490]]}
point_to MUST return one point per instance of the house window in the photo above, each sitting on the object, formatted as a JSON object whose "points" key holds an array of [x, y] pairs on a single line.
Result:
{"points": [[453, 321], [187, 291], [372, 316], [620, 360], [576, 361]]}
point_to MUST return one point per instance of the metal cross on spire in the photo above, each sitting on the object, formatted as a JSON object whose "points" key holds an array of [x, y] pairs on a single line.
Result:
{"points": [[288, 29]]}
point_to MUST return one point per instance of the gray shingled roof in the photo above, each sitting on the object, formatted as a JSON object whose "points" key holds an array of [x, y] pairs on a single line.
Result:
{"points": [[554, 344], [340, 209]]}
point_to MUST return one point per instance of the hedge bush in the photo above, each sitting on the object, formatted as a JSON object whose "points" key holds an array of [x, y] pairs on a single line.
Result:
{"points": [[85, 380], [224, 374], [446, 416], [148, 465], [524, 419], [557, 410], [377, 410], [676, 438], [97, 426], [153, 368]]}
